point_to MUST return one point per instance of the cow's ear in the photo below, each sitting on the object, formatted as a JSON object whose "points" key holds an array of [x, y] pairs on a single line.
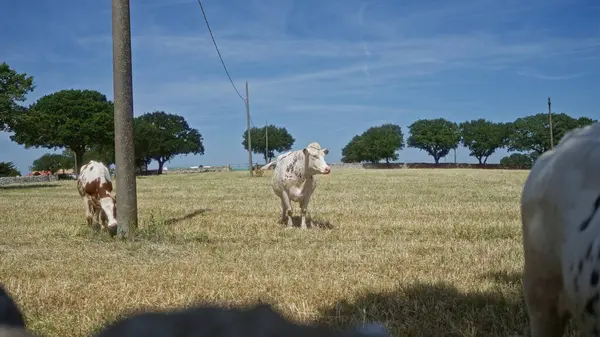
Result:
{"points": [[326, 151]]}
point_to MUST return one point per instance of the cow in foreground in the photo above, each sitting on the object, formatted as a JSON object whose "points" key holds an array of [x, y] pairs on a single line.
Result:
{"points": [[293, 178], [94, 186], [12, 323], [561, 236]]}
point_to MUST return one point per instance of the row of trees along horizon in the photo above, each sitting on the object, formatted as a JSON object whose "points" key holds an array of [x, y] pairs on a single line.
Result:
{"points": [[81, 122]]}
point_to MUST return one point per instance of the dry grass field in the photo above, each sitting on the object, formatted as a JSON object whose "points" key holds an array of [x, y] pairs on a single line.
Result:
{"points": [[427, 252]]}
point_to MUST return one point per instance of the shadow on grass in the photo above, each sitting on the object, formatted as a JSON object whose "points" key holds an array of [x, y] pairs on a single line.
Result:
{"points": [[155, 230], [193, 214], [311, 222], [27, 186], [434, 310], [504, 277]]}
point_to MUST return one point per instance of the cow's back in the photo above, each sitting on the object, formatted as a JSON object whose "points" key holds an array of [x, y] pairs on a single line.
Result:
{"points": [[92, 176], [289, 170]]}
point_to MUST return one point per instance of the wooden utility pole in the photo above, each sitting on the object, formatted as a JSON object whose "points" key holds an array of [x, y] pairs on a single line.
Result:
{"points": [[454, 155], [266, 142], [550, 122], [123, 101], [248, 127]]}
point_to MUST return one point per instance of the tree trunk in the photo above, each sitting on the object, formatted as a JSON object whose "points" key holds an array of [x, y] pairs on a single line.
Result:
{"points": [[480, 162], [78, 156], [437, 159], [266, 158], [160, 166], [485, 160]]}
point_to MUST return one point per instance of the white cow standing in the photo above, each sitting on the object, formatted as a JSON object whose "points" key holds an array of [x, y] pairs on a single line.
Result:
{"points": [[561, 236], [94, 186], [293, 178]]}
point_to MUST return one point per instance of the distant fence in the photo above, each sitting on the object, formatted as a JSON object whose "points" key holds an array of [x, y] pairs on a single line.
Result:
{"points": [[27, 179], [421, 165], [244, 167], [240, 167], [223, 168]]}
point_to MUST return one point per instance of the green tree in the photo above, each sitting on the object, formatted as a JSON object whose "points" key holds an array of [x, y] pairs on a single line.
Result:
{"points": [[517, 161], [280, 140], [72, 119], [532, 133], [13, 88], [162, 136], [104, 154], [53, 162], [435, 136], [143, 156], [483, 137], [353, 151], [375, 144], [8, 169]]}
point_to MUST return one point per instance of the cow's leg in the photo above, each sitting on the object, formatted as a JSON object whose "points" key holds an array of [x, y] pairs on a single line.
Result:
{"points": [[543, 301], [304, 206], [88, 211], [283, 219], [97, 217], [289, 211]]}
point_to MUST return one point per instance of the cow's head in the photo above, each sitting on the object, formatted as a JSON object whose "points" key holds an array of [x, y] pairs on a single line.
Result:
{"points": [[315, 159], [109, 206]]}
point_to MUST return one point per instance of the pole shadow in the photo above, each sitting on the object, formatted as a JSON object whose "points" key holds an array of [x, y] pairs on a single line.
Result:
{"points": [[191, 215]]}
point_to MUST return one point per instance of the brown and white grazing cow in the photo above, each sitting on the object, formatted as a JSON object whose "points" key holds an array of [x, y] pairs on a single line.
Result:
{"points": [[94, 186], [293, 178]]}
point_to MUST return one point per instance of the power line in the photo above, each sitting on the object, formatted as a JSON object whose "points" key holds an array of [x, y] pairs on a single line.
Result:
{"points": [[218, 52]]}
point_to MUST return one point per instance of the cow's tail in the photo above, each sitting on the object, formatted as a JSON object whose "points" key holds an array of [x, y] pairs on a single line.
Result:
{"points": [[269, 165]]}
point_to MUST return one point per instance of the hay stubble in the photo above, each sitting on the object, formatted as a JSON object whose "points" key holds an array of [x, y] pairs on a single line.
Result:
{"points": [[428, 252]]}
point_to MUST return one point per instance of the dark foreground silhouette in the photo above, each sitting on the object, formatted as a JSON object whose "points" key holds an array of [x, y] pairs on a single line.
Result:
{"points": [[203, 321]]}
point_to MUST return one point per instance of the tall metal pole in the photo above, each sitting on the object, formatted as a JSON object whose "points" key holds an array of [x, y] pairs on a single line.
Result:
{"points": [[123, 97], [550, 121], [266, 142], [248, 127]]}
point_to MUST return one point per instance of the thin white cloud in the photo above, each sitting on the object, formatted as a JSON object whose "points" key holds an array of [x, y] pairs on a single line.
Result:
{"points": [[355, 63], [531, 72]]}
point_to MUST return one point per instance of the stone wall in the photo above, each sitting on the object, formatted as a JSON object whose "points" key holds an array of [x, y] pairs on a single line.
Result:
{"points": [[417, 165], [199, 170], [27, 180]]}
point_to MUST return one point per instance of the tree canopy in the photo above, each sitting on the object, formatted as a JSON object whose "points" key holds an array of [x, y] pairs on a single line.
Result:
{"points": [[517, 161], [13, 88], [375, 144], [8, 169], [161, 136], [353, 151], [72, 119], [483, 137], [280, 140], [435, 136], [532, 133], [53, 162]]}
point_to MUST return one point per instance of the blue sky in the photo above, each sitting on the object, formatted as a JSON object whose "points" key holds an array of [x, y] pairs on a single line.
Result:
{"points": [[326, 70]]}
